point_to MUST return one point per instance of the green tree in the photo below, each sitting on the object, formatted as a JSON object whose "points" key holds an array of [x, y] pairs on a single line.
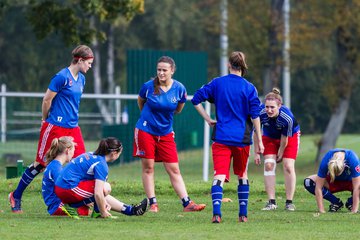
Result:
{"points": [[84, 21]]}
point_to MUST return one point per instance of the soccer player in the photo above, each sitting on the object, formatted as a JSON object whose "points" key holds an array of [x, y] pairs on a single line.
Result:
{"points": [[339, 171], [61, 151], [281, 138], [84, 178], [154, 139], [60, 114], [237, 113]]}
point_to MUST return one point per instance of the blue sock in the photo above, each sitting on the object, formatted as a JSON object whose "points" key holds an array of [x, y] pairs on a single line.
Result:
{"points": [[216, 196], [185, 201], [30, 173], [83, 203], [350, 200], [243, 195], [309, 185], [127, 210], [96, 208]]}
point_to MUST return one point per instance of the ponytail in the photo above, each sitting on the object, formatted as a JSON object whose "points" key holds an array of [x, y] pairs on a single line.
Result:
{"points": [[58, 146]]}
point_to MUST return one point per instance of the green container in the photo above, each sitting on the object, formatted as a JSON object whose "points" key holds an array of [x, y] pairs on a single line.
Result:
{"points": [[11, 172], [20, 167]]}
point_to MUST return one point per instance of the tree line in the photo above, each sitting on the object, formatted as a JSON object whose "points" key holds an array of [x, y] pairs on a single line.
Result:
{"points": [[37, 36]]}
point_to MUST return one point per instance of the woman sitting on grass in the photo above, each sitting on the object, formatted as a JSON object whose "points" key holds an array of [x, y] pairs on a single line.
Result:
{"points": [[61, 151], [339, 171], [84, 178]]}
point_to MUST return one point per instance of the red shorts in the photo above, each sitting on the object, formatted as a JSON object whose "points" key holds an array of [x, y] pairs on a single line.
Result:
{"points": [[49, 131], [83, 191], [339, 186], [159, 148], [222, 155], [272, 145]]}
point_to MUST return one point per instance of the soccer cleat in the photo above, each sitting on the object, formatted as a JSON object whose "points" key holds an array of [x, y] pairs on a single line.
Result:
{"points": [[140, 208], [15, 204], [193, 207], [70, 211], [216, 219], [154, 208], [269, 206], [289, 207], [334, 207], [95, 214], [243, 219], [348, 205]]}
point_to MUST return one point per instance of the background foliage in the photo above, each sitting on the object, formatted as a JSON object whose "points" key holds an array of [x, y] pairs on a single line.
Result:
{"points": [[28, 63]]}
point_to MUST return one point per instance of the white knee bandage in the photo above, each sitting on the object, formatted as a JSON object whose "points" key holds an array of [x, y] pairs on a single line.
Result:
{"points": [[272, 172]]}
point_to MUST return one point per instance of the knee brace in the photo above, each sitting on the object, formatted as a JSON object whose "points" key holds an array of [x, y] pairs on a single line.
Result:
{"points": [[309, 185], [272, 172]]}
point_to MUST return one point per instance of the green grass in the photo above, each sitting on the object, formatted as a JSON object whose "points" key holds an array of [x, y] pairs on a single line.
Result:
{"points": [[171, 222]]}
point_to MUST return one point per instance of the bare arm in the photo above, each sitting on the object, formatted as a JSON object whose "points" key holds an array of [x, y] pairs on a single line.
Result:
{"points": [[179, 107], [257, 158], [100, 199], [204, 115], [141, 102], [356, 194], [259, 146], [318, 193], [46, 103]]}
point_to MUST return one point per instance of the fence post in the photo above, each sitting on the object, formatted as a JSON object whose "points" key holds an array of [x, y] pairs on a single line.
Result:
{"points": [[117, 106], [206, 156], [3, 114]]}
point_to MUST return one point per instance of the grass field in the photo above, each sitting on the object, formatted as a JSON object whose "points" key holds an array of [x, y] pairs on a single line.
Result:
{"points": [[171, 222]]}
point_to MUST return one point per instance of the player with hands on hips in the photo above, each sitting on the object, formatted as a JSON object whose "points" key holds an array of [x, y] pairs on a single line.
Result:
{"points": [[154, 139], [237, 114], [339, 171], [84, 179], [281, 138]]}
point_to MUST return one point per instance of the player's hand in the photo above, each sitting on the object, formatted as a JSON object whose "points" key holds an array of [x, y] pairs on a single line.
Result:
{"points": [[257, 159], [105, 214], [211, 122]]}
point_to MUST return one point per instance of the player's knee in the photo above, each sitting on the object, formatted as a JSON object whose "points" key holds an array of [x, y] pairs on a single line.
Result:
{"points": [[107, 189], [309, 185], [269, 167]]}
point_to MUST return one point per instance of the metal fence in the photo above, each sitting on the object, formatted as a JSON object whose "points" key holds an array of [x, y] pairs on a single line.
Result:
{"points": [[21, 114]]}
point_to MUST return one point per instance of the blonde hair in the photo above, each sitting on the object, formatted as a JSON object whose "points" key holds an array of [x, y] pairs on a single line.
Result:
{"points": [[58, 146], [274, 95], [335, 166]]}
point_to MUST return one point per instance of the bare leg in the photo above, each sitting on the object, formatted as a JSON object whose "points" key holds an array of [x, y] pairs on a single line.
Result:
{"points": [[290, 177], [176, 179], [148, 177], [270, 176]]}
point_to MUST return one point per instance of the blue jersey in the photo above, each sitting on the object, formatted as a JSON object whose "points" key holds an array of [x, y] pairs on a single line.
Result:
{"points": [[352, 165], [51, 173], [236, 101], [64, 110], [284, 124], [158, 112], [82, 168]]}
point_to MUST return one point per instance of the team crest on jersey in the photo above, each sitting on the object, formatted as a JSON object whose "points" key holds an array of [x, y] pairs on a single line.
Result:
{"points": [[70, 82], [86, 156], [357, 169]]}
